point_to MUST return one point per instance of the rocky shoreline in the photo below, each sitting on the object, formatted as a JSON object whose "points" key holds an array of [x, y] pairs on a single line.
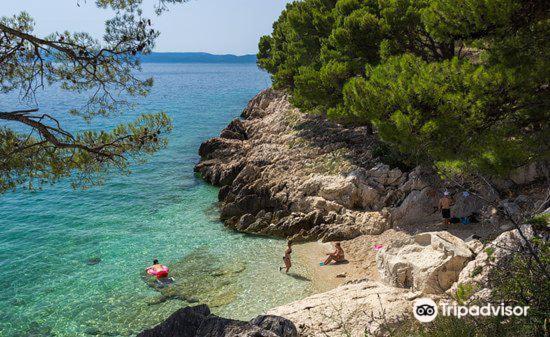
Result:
{"points": [[198, 321], [287, 174], [292, 175]]}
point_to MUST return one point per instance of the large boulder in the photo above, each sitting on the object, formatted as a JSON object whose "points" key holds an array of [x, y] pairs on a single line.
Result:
{"points": [[418, 207], [333, 188], [418, 179], [214, 326], [372, 223], [197, 321], [529, 173], [495, 254], [428, 262], [383, 175], [354, 309], [467, 204], [276, 324], [183, 323]]}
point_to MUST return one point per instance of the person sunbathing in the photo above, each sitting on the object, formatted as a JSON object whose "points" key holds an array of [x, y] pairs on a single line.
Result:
{"points": [[337, 255]]}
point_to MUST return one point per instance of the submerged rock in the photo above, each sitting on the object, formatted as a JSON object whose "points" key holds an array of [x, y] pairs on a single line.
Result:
{"points": [[93, 261], [200, 277], [199, 322]]}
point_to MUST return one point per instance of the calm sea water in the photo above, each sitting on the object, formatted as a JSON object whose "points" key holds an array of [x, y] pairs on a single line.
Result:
{"points": [[72, 261]]}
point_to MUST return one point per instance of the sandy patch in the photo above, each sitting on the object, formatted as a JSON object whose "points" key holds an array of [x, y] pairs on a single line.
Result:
{"points": [[360, 254], [323, 278]]}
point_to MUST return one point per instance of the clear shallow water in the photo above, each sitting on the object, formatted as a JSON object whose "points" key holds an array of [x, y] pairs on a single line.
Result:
{"points": [[49, 239]]}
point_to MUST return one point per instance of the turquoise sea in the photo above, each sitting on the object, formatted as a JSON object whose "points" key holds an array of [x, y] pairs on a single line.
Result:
{"points": [[72, 261]]}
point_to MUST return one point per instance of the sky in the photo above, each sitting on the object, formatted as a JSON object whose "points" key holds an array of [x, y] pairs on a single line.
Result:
{"points": [[213, 26]]}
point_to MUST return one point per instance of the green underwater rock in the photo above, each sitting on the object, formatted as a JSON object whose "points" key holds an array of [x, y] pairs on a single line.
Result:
{"points": [[200, 277]]}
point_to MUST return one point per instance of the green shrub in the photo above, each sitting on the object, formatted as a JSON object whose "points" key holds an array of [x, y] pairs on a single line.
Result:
{"points": [[542, 221], [463, 293], [390, 156], [523, 282], [442, 326], [398, 66], [477, 270]]}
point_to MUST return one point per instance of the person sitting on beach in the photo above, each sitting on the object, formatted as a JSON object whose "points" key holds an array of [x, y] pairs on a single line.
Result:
{"points": [[158, 270], [445, 204], [286, 258], [337, 255]]}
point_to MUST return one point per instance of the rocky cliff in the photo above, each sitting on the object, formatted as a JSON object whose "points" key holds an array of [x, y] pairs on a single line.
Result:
{"points": [[289, 174], [284, 173]]}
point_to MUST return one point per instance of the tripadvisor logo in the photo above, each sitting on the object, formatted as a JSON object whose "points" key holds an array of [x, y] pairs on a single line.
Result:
{"points": [[425, 310]]}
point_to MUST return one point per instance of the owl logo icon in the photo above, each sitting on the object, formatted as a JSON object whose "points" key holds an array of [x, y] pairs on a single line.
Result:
{"points": [[425, 310]]}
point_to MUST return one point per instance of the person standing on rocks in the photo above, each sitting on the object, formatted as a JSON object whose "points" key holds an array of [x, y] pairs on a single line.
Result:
{"points": [[286, 258], [445, 204]]}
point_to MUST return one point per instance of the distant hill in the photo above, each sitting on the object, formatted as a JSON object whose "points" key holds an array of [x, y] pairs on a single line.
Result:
{"points": [[196, 58]]}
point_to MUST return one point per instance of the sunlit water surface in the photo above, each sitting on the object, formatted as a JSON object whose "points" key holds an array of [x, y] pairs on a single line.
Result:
{"points": [[72, 261]]}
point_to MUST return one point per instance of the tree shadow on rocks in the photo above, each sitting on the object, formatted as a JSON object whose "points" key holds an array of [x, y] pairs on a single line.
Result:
{"points": [[355, 143]]}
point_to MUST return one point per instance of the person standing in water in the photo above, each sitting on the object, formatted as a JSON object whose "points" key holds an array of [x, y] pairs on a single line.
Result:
{"points": [[286, 258], [445, 204]]}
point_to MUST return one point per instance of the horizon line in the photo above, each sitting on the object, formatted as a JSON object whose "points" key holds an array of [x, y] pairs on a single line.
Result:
{"points": [[201, 52]]}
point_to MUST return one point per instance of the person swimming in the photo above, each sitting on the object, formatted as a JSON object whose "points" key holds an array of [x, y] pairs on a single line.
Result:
{"points": [[336, 256], [158, 270], [286, 258]]}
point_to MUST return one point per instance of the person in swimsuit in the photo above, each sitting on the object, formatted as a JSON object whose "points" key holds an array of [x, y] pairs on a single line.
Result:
{"points": [[286, 258], [159, 270], [445, 204], [336, 256]]}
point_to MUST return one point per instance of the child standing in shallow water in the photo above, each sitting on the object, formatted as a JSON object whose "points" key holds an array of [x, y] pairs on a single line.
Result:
{"points": [[286, 258]]}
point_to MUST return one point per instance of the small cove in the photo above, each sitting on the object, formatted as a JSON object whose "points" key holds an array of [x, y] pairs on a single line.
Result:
{"points": [[73, 260]]}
